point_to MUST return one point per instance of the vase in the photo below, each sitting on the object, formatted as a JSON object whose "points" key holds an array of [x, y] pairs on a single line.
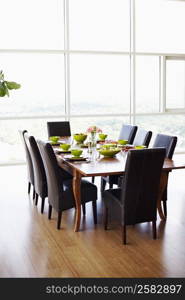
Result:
{"points": [[92, 142], [92, 146], [93, 139]]}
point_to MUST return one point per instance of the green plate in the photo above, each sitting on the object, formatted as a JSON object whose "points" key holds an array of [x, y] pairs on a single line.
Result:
{"points": [[140, 147], [108, 152], [106, 146]]}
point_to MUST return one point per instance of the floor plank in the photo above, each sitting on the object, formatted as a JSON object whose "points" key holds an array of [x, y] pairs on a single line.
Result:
{"points": [[30, 245]]}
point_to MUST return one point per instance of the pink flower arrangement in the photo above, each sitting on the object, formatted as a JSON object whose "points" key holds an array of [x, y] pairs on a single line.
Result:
{"points": [[94, 129]]}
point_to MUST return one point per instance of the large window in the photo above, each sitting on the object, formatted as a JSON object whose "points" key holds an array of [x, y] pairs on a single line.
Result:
{"points": [[99, 84], [175, 84], [93, 62], [160, 26], [42, 84], [147, 84], [31, 53], [99, 25], [32, 24]]}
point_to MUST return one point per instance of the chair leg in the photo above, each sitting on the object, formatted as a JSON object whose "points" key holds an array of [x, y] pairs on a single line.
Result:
{"points": [[84, 209], [105, 218], [36, 199], [103, 184], [49, 212], [110, 185], [154, 230], [59, 219], [165, 208], [93, 178], [42, 205], [94, 206], [33, 193], [124, 234], [29, 187]]}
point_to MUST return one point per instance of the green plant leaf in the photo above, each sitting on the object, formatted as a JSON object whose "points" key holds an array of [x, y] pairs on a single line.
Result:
{"points": [[11, 85], [6, 89], [3, 90], [1, 75]]}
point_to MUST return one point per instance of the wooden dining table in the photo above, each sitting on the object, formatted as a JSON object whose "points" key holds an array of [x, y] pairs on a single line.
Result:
{"points": [[102, 166]]}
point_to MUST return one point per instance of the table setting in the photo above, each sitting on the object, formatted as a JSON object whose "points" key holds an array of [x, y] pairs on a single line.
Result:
{"points": [[90, 146]]}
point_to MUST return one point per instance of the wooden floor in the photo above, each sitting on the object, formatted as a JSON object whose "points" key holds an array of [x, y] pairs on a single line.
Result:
{"points": [[31, 246]]}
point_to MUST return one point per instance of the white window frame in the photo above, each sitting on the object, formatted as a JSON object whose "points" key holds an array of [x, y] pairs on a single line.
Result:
{"points": [[132, 54], [173, 57]]}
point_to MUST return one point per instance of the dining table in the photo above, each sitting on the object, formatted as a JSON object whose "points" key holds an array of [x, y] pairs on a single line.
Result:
{"points": [[105, 166]]}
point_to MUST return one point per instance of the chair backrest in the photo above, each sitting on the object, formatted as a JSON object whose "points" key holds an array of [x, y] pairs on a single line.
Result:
{"points": [[142, 137], [54, 180], [128, 132], [40, 182], [61, 128], [166, 141], [28, 157], [141, 185]]}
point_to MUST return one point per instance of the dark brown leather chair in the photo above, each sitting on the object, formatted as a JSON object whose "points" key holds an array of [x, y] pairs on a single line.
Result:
{"points": [[40, 182], [169, 143], [142, 137], [30, 173], [60, 190], [136, 201], [60, 128], [128, 132]]}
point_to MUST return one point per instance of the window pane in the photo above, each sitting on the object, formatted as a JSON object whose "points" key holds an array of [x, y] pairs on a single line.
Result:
{"points": [[175, 84], [99, 24], [169, 124], [147, 84], [108, 125], [160, 26], [32, 24], [42, 84], [99, 84], [11, 148]]}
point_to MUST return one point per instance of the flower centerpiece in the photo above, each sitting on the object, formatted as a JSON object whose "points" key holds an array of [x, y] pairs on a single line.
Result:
{"points": [[93, 130]]}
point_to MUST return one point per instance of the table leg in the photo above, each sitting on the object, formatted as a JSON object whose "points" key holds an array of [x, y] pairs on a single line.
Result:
{"points": [[77, 195], [162, 186]]}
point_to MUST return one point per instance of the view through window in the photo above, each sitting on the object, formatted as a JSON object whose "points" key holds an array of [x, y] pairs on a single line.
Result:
{"points": [[73, 61]]}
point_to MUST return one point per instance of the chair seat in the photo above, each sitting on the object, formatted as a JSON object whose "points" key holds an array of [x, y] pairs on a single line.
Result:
{"points": [[43, 192], [112, 195], [112, 202], [64, 174], [88, 190], [112, 179]]}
